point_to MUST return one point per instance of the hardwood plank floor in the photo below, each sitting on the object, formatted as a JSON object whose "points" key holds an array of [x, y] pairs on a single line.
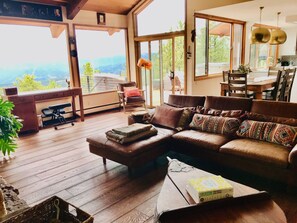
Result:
{"points": [[58, 162]]}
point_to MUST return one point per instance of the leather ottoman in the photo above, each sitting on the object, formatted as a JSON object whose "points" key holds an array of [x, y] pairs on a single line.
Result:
{"points": [[132, 154]]}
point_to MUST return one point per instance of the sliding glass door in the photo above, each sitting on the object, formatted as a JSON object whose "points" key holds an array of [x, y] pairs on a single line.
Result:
{"points": [[167, 73]]}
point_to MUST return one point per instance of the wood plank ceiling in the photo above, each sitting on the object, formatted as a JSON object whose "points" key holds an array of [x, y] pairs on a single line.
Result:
{"points": [[108, 6]]}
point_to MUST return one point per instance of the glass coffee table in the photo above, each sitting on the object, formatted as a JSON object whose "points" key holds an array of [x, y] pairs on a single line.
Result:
{"points": [[247, 204]]}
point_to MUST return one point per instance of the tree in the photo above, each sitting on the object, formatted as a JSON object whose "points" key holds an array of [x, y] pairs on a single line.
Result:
{"points": [[87, 80], [28, 83]]}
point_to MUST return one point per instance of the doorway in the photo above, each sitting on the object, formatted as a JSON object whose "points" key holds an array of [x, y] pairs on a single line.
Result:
{"points": [[167, 75]]}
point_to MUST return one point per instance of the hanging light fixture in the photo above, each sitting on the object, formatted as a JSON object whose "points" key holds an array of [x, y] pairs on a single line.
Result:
{"points": [[260, 34], [278, 36]]}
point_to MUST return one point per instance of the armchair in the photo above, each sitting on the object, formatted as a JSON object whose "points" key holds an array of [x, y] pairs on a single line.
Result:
{"points": [[132, 98]]}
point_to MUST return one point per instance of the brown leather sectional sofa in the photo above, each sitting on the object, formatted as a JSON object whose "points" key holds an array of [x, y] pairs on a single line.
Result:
{"points": [[259, 157], [254, 156]]}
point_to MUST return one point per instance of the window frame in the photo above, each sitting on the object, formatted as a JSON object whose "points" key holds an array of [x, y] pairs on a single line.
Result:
{"points": [[232, 22], [105, 28]]}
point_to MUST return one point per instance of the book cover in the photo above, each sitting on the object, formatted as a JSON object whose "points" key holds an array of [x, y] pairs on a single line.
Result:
{"points": [[209, 188]]}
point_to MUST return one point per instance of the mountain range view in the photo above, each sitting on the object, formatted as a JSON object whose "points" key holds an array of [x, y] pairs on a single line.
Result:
{"points": [[59, 71]]}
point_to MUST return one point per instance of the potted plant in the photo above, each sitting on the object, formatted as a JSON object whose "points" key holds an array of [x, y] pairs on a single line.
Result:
{"points": [[10, 125]]}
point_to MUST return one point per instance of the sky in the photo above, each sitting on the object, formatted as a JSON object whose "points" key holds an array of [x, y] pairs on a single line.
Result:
{"points": [[160, 16], [24, 44]]}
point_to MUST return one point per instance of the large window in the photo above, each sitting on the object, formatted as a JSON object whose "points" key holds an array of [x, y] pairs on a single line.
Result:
{"points": [[262, 56], [33, 57], [102, 59], [218, 44], [161, 16]]}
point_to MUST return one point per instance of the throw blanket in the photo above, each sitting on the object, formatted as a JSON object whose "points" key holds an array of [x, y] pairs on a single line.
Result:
{"points": [[132, 130], [111, 135]]}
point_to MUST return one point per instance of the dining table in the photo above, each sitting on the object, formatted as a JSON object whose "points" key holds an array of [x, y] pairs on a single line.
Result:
{"points": [[257, 85]]}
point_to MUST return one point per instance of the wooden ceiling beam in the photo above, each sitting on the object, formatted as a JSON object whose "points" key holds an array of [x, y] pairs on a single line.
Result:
{"points": [[74, 7], [56, 30]]}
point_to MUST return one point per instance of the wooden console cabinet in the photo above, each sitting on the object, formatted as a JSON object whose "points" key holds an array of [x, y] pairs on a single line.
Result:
{"points": [[25, 105]]}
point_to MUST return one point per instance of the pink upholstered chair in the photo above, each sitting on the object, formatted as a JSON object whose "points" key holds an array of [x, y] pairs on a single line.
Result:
{"points": [[134, 99]]}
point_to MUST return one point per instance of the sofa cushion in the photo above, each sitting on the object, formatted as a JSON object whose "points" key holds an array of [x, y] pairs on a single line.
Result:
{"points": [[228, 103], [258, 150], [275, 108], [268, 131], [102, 143], [186, 100], [269, 118], [167, 116], [215, 124], [202, 139]]}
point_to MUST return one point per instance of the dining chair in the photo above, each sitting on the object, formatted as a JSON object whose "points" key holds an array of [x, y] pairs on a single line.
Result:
{"points": [[130, 95], [290, 76], [279, 89], [177, 84], [237, 85], [268, 93]]}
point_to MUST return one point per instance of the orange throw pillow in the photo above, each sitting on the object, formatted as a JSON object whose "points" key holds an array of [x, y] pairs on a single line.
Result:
{"points": [[131, 92]]}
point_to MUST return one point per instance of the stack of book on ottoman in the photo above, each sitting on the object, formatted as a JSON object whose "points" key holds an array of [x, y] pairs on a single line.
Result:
{"points": [[131, 133], [209, 188]]}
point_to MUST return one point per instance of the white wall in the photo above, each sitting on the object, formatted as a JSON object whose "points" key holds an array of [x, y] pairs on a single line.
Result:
{"points": [[289, 47]]}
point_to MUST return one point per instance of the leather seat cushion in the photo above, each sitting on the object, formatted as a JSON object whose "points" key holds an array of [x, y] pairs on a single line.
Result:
{"points": [[135, 99], [129, 150], [202, 139], [258, 150]]}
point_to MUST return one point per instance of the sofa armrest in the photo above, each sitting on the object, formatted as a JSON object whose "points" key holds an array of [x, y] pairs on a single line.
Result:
{"points": [[293, 156]]}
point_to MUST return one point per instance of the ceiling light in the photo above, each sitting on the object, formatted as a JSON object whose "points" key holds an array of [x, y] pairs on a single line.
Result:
{"points": [[260, 34], [278, 36]]}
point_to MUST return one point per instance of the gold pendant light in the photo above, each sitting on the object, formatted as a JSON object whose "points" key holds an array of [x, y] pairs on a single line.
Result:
{"points": [[278, 36], [260, 34]]}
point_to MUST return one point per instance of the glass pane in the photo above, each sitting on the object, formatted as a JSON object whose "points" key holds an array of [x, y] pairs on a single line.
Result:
{"points": [[167, 67], [145, 74], [237, 46], [173, 17], [31, 59], [200, 50], [271, 61], [102, 59], [156, 72], [179, 62], [219, 47]]}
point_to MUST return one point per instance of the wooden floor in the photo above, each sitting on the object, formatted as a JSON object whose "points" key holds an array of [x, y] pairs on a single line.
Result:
{"points": [[58, 162]]}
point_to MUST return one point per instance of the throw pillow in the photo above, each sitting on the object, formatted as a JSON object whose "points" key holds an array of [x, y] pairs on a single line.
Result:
{"points": [[167, 116], [268, 118], [268, 131], [215, 124], [131, 92], [185, 119], [216, 112]]}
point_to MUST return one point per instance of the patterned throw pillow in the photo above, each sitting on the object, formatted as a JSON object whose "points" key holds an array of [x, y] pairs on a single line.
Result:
{"points": [[215, 124], [268, 131], [185, 118]]}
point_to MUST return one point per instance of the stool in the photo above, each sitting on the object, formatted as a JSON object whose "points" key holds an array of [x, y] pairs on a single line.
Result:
{"points": [[56, 113], [133, 154]]}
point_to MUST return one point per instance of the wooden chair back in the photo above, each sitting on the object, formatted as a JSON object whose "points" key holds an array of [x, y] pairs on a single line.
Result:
{"points": [[273, 71], [279, 89], [237, 84], [290, 76]]}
